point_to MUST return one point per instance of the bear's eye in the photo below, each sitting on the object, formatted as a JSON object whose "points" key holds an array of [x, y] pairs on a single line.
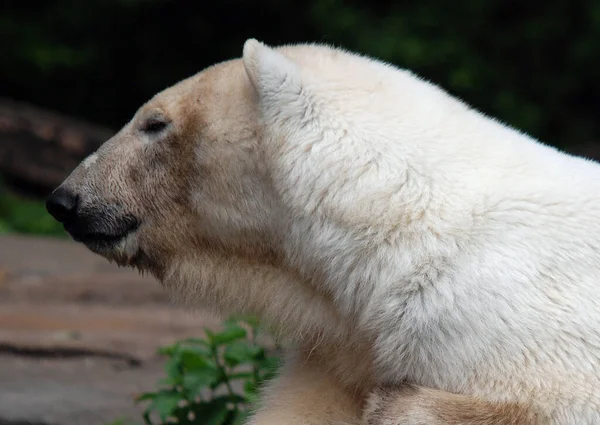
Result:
{"points": [[154, 125]]}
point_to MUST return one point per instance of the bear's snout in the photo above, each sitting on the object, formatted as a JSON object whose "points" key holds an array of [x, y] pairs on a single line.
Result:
{"points": [[93, 223]]}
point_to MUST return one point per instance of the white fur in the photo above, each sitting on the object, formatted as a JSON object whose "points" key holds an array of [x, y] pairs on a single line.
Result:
{"points": [[468, 250], [90, 160]]}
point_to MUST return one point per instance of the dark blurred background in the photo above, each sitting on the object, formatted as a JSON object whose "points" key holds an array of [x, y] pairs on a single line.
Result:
{"points": [[73, 72]]}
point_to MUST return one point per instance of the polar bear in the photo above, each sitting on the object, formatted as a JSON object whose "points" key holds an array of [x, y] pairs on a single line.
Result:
{"points": [[427, 264]]}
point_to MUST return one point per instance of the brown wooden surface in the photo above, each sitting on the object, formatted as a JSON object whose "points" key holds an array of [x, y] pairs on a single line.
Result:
{"points": [[78, 336]]}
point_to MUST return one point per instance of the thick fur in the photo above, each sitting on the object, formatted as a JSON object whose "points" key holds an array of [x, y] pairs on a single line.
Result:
{"points": [[410, 405], [398, 238]]}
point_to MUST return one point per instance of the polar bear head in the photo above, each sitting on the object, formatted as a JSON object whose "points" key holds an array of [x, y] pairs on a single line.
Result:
{"points": [[187, 185], [281, 166], [185, 174]]}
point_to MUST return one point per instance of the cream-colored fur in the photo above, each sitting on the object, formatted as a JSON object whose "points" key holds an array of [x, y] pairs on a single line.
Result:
{"points": [[393, 236]]}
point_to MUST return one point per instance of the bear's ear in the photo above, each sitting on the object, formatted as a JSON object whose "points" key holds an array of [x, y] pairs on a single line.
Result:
{"points": [[274, 77]]}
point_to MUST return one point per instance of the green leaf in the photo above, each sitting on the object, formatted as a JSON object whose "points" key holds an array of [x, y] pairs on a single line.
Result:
{"points": [[193, 359], [169, 350], [250, 388], [165, 404], [166, 351], [269, 364], [210, 335], [194, 382], [173, 367], [230, 334], [234, 399], [168, 382], [121, 421], [241, 375], [222, 378], [182, 415], [240, 352], [239, 418], [214, 412], [146, 417]]}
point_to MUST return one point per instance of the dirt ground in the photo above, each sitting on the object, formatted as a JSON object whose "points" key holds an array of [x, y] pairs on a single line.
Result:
{"points": [[78, 336]]}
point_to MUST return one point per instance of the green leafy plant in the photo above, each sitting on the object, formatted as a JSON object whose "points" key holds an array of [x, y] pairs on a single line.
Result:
{"points": [[22, 215], [211, 381]]}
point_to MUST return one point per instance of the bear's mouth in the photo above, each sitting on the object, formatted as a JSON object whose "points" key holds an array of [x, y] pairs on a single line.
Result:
{"points": [[99, 238], [103, 234]]}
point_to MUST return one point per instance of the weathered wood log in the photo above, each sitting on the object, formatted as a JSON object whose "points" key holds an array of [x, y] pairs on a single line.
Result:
{"points": [[39, 148]]}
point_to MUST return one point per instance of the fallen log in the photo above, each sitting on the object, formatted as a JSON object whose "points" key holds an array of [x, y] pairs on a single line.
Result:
{"points": [[39, 148]]}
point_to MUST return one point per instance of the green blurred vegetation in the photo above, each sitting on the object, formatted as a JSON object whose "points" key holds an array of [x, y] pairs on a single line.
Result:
{"points": [[531, 65], [22, 215]]}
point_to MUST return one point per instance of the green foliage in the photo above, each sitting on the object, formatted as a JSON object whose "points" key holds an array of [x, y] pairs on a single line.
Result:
{"points": [[212, 380], [23, 215], [121, 421]]}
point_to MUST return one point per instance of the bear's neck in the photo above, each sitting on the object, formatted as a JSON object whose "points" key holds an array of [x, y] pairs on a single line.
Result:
{"points": [[230, 284]]}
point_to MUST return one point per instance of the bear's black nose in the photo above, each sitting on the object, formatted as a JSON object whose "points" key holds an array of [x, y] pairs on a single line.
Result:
{"points": [[62, 204]]}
